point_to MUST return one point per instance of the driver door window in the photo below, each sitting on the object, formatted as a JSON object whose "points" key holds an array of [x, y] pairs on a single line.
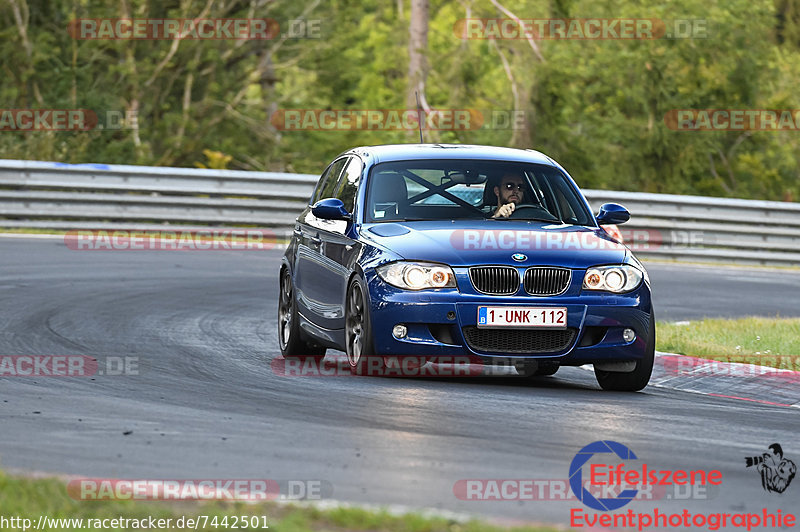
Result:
{"points": [[349, 181], [330, 178]]}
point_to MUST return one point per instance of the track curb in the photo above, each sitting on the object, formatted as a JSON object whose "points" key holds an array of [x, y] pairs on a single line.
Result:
{"points": [[747, 382]]}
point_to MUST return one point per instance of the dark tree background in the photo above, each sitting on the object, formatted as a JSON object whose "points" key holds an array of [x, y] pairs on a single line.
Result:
{"points": [[597, 106]]}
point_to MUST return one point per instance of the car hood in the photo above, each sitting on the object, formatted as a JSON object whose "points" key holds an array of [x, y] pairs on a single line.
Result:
{"points": [[470, 243]]}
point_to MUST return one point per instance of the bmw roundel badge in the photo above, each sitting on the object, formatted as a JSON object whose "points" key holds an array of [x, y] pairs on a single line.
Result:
{"points": [[519, 257]]}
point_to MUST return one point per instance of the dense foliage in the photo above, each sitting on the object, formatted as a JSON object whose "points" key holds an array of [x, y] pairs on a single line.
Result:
{"points": [[597, 106]]}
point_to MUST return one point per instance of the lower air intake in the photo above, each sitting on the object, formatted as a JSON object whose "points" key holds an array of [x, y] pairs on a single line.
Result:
{"points": [[519, 341]]}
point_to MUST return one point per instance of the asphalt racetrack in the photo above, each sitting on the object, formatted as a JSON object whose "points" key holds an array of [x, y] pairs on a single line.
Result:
{"points": [[206, 403]]}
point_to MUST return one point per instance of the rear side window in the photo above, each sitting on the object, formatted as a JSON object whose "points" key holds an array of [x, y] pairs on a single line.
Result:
{"points": [[349, 180], [326, 188]]}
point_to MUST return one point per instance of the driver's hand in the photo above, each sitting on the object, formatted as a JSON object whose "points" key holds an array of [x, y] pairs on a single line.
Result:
{"points": [[504, 211]]}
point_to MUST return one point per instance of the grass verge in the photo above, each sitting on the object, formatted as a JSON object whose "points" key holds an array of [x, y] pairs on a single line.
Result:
{"points": [[773, 342], [32, 231], [29, 498]]}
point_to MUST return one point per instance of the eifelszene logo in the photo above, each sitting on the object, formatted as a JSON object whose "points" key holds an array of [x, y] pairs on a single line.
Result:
{"points": [[776, 471], [622, 482], [576, 476]]}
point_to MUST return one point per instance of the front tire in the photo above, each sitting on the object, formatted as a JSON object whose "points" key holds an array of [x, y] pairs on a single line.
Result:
{"points": [[635, 380], [291, 344], [359, 344]]}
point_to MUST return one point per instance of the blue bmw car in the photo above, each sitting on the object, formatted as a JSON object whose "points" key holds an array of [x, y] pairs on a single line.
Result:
{"points": [[440, 251]]}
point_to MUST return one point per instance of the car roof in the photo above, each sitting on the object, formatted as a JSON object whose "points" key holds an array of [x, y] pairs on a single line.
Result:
{"points": [[404, 152]]}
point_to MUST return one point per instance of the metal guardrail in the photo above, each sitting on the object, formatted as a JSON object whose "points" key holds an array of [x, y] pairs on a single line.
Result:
{"points": [[61, 196], [97, 196], [702, 228]]}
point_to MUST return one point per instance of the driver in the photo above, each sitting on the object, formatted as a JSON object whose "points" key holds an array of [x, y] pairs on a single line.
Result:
{"points": [[510, 193]]}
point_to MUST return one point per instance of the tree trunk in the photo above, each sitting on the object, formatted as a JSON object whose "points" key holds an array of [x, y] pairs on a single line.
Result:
{"points": [[417, 46]]}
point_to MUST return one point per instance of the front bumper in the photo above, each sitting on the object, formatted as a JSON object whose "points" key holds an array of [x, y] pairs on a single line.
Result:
{"points": [[437, 319]]}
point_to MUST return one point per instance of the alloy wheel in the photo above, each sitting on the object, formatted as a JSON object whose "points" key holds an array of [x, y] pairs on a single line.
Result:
{"points": [[285, 309], [355, 325]]}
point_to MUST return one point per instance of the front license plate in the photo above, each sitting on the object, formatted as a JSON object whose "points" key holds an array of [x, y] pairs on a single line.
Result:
{"points": [[549, 317]]}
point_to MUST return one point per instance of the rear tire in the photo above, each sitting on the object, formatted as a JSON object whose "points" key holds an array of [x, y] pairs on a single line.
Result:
{"points": [[637, 379], [291, 344], [359, 344]]}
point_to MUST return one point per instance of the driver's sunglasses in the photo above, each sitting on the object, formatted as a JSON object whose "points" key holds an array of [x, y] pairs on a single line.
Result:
{"points": [[510, 186]]}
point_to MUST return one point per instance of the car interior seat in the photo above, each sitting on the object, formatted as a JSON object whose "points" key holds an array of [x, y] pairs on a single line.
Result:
{"points": [[389, 196], [489, 197]]}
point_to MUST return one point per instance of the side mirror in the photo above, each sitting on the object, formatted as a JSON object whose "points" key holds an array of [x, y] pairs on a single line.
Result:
{"points": [[330, 209], [613, 213]]}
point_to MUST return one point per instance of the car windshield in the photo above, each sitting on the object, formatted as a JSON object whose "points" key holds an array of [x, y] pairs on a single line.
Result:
{"points": [[465, 189]]}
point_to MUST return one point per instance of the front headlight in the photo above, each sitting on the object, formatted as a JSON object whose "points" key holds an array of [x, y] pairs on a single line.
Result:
{"points": [[617, 279], [417, 275]]}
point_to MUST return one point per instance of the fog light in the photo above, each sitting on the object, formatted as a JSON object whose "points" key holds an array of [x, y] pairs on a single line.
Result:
{"points": [[628, 335], [399, 331]]}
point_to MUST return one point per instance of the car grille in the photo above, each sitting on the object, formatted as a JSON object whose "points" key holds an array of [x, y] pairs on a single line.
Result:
{"points": [[495, 280], [520, 341], [546, 281]]}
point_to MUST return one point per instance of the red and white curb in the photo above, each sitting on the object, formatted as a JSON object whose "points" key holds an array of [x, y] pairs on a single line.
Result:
{"points": [[746, 382]]}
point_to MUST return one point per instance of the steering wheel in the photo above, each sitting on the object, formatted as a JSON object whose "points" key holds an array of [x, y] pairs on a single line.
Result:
{"points": [[525, 210]]}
